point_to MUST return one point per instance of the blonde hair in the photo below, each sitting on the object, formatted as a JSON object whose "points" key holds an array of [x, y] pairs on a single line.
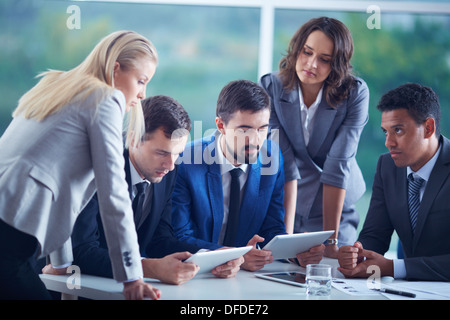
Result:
{"points": [[57, 88]]}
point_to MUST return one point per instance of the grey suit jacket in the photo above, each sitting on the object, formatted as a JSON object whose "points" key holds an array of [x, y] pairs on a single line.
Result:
{"points": [[329, 156], [427, 251], [49, 170]]}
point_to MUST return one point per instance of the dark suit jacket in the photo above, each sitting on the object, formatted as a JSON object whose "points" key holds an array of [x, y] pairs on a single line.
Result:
{"points": [[155, 234], [427, 252], [198, 197]]}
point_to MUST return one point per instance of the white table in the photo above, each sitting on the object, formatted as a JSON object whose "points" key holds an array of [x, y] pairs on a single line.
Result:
{"points": [[245, 286]]}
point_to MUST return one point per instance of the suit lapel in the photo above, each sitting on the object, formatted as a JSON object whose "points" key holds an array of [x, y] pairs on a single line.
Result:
{"points": [[290, 119], [438, 176], [326, 114], [215, 195], [127, 171], [401, 207], [214, 186]]}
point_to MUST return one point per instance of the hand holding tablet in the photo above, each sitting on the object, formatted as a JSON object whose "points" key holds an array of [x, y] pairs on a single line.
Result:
{"points": [[208, 260], [289, 245]]}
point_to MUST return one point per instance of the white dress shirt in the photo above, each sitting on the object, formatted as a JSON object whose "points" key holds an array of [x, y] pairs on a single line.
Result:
{"points": [[308, 113]]}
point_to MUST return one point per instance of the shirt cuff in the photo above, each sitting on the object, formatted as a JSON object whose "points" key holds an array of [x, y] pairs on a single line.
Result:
{"points": [[399, 269], [62, 266]]}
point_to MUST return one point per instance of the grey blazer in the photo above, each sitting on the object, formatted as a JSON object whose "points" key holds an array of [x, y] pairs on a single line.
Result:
{"points": [[49, 170], [329, 156], [427, 250]]}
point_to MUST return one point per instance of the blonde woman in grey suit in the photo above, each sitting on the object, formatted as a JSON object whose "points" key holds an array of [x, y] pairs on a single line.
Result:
{"points": [[320, 110], [64, 144]]}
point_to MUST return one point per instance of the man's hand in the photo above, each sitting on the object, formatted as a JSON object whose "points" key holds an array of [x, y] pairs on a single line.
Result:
{"points": [[312, 256], [355, 260], [256, 259], [228, 269], [349, 256], [48, 269], [170, 269], [138, 290]]}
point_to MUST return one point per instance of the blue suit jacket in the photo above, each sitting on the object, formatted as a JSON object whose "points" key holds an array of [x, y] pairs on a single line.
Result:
{"points": [[198, 208], [155, 233]]}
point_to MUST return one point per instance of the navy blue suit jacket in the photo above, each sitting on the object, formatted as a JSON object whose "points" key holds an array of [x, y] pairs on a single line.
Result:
{"points": [[155, 234], [198, 209]]}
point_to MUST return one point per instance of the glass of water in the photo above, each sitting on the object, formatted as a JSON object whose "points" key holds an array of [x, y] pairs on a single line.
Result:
{"points": [[318, 279]]}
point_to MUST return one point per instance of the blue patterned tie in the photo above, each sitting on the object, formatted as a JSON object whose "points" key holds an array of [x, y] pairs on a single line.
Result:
{"points": [[414, 185]]}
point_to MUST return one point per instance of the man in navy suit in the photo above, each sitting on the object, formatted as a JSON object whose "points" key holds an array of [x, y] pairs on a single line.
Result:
{"points": [[410, 193], [152, 163], [207, 212]]}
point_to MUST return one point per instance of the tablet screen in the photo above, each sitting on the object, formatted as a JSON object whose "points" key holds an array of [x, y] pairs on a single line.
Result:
{"points": [[292, 278], [289, 276]]}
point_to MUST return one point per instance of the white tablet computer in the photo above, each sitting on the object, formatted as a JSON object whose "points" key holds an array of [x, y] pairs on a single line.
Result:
{"points": [[288, 245], [294, 278], [208, 260]]}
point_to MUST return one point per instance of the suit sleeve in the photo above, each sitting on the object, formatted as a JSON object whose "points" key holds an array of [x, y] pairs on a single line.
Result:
{"points": [[106, 142], [183, 224], [377, 230], [89, 253], [436, 268], [336, 169]]}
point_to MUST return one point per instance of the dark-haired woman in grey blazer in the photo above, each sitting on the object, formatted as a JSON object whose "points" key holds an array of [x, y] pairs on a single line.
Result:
{"points": [[64, 144], [319, 110]]}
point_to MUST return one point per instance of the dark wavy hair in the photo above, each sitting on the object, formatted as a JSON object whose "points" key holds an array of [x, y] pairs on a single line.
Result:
{"points": [[340, 80]]}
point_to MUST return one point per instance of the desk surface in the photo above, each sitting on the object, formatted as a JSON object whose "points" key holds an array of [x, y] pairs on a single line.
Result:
{"points": [[245, 286]]}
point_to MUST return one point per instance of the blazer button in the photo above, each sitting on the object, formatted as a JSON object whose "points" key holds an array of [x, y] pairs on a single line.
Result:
{"points": [[127, 259]]}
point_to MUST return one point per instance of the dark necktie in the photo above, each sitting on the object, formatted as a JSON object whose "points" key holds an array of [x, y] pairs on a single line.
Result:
{"points": [[414, 185], [138, 202], [233, 208]]}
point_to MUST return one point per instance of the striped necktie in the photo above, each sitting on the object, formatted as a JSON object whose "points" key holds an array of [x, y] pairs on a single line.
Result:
{"points": [[414, 185]]}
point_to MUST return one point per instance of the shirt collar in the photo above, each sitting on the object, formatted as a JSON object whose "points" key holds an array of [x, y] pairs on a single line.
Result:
{"points": [[425, 171], [312, 109], [135, 177], [226, 165]]}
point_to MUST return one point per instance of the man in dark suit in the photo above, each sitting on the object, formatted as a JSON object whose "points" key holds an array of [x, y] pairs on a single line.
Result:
{"points": [[410, 193], [151, 163]]}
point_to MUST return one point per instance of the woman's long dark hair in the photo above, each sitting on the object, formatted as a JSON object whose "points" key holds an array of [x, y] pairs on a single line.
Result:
{"points": [[340, 80]]}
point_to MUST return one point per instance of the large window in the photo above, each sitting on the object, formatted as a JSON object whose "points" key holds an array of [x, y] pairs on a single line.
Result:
{"points": [[205, 44]]}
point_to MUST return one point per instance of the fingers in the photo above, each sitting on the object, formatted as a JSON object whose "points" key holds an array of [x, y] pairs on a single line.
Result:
{"points": [[349, 256], [254, 240], [312, 256], [229, 269], [138, 290], [256, 259]]}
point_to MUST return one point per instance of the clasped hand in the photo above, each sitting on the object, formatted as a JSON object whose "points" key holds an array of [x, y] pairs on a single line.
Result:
{"points": [[355, 260]]}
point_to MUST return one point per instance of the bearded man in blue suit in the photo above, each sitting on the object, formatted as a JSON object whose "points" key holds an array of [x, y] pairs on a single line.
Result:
{"points": [[204, 197]]}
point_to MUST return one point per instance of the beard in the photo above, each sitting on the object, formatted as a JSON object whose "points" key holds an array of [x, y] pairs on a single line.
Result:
{"points": [[244, 157]]}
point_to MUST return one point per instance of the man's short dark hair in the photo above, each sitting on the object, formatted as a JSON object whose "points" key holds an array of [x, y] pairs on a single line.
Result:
{"points": [[420, 101], [166, 113], [241, 95]]}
